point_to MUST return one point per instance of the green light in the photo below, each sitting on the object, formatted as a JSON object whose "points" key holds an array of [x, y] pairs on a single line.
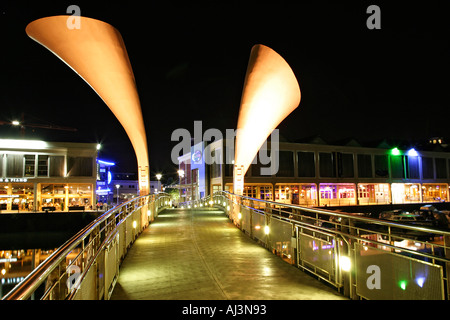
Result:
{"points": [[402, 284], [395, 152]]}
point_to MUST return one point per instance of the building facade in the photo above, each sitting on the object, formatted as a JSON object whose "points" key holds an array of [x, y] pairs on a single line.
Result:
{"points": [[39, 175], [318, 174], [194, 174]]}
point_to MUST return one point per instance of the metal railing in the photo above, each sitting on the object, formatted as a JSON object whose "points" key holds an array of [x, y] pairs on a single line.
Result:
{"points": [[363, 257], [87, 265]]}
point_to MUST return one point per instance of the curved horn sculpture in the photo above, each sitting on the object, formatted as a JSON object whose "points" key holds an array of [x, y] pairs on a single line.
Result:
{"points": [[271, 92], [97, 53]]}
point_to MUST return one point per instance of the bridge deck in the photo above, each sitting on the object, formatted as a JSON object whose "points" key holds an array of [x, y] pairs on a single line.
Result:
{"points": [[201, 255]]}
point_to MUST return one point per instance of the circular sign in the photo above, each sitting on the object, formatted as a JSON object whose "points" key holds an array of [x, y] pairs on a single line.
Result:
{"points": [[197, 156]]}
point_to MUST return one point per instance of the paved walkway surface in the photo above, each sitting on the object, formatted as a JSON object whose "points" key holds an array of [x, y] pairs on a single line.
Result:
{"points": [[201, 255]]}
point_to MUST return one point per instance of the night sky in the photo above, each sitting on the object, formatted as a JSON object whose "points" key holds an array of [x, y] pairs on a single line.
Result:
{"points": [[190, 59]]}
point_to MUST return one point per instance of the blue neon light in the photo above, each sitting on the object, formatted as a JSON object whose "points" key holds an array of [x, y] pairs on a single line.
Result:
{"points": [[106, 163], [109, 177]]}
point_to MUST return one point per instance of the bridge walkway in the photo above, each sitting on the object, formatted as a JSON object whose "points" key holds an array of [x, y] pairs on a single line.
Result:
{"points": [[190, 254]]}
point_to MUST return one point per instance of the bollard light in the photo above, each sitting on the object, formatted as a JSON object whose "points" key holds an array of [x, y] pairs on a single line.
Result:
{"points": [[266, 230], [403, 284], [345, 263], [420, 281], [134, 224]]}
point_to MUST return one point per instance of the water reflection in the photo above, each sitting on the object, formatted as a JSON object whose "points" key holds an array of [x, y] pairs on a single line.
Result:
{"points": [[15, 265]]}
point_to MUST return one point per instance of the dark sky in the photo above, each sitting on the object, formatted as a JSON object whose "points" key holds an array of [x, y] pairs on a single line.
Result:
{"points": [[190, 60]]}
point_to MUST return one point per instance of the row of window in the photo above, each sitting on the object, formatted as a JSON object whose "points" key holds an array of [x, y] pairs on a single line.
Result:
{"points": [[341, 165], [32, 165], [348, 193]]}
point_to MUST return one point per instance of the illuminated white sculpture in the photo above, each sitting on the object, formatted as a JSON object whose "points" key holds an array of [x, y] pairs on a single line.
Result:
{"points": [[96, 52], [271, 92]]}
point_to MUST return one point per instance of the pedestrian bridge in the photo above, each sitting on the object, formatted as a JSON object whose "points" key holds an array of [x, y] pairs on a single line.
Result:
{"points": [[229, 247], [199, 254]]}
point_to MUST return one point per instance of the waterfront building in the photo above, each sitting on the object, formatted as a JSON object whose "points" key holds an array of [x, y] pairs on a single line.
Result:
{"points": [[47, 176], [319, 174]]}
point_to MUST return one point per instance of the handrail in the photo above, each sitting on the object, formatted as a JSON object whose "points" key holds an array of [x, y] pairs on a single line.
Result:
{"points": [[344, 215], [351, 230], [33, 280]]}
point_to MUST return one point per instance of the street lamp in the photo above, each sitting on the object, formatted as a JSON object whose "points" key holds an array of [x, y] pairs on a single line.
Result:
{"points": [[159, 176], [181, 174], [117, 187]]}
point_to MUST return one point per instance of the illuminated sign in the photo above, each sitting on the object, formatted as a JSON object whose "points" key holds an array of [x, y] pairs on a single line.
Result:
{"points": [[13, 179], [197, 156]]}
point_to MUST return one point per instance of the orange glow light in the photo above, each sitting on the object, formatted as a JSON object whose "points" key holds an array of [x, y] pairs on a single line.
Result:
{"points": [[97, 53], [271, 92]]}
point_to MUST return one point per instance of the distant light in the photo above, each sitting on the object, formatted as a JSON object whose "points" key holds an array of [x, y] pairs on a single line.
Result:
{"points": [[345, 263], [15, 123], [402, 284], [395, 152], [158, 176], [412, 153]]}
